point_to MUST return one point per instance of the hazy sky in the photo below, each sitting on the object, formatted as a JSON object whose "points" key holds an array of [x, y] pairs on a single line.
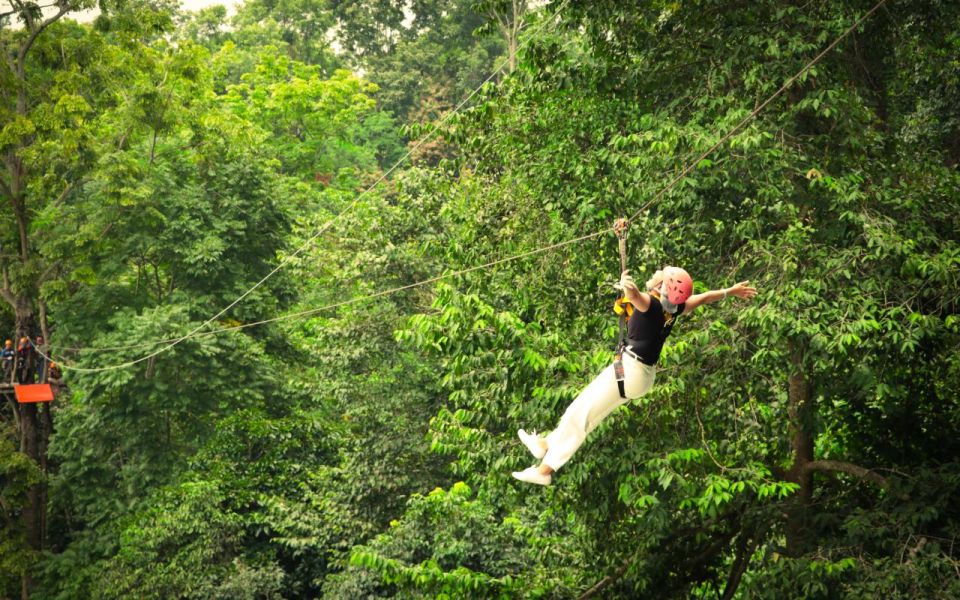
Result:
{"points": [[188, 5], [195, 4], [87, 15]]}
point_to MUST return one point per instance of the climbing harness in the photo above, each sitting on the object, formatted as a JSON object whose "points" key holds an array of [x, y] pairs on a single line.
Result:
{"points": [[622, 306]]}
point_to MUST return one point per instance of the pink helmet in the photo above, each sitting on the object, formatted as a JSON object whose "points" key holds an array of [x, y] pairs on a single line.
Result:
{"points": [[678, 284]]}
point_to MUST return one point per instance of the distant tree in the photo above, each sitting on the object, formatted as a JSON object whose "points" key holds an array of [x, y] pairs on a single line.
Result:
{"points": [[303, 27], [49, 144]]}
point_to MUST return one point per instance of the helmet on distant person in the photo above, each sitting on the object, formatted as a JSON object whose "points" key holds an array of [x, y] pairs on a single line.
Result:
{"points": [[677, 284]]}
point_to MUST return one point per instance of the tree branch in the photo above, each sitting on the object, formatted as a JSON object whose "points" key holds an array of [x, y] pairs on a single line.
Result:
{"points": [[18, 10], [43, 321], [18, 5], [705, 555], [745, 549], [22, 55], [15, 408], [501, 20], [600, 585], [50, 270], [740, 563], [848, 468], [5, 292], [63, 194]]}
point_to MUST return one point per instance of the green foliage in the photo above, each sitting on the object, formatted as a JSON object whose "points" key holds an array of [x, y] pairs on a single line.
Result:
{"points": [[802, 445], [187, 549], [17, 474], [467, 554], [427, 67], [300, 25], [700, 469], [172, 206], [307, 120], [210, 535]]}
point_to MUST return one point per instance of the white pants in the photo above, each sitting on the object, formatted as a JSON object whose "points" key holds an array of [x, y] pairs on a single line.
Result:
{"points": [[593, 404]]}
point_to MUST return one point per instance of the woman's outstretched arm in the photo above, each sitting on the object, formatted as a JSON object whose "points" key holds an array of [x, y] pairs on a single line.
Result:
{"points": [[740, 290]]}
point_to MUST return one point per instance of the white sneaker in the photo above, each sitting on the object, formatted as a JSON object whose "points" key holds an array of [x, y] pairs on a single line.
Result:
{"points": [[534, 443], [532, 475]]}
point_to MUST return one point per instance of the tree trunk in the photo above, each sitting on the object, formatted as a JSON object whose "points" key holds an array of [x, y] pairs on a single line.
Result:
{"points": [[34, 434], [510, 21], [516, 24], [46, 430], [800, 409], [33, 509]]}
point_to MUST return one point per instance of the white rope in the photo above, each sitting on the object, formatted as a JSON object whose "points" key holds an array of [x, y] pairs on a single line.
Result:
{"points": [[367, 297], [540, 250]]}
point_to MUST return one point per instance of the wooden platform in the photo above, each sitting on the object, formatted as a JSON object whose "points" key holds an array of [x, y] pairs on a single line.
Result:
{"points": [[10, 388]]}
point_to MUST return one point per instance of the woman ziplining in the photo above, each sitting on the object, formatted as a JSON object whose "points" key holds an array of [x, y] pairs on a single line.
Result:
{"points": [[652, 315]]}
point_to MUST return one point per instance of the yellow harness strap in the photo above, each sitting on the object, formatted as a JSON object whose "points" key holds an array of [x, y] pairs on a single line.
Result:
{"points": [[623, 306]]}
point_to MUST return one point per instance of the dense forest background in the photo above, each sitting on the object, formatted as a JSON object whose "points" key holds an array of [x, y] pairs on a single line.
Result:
{"points": [[157, 164]]}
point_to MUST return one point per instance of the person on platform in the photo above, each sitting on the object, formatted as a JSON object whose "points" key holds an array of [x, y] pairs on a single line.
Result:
{"points": [[7, 356], [25, 361], [40, 353]]}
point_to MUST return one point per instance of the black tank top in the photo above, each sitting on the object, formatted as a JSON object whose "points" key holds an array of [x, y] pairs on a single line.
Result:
{"points": [[647, 331]]}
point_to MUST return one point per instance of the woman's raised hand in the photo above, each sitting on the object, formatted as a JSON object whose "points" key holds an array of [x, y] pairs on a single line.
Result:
{"points": [[742, 290], [626, 282]]}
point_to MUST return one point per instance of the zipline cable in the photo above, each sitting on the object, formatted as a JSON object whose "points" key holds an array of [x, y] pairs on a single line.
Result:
{"points": [[539, 250]]}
